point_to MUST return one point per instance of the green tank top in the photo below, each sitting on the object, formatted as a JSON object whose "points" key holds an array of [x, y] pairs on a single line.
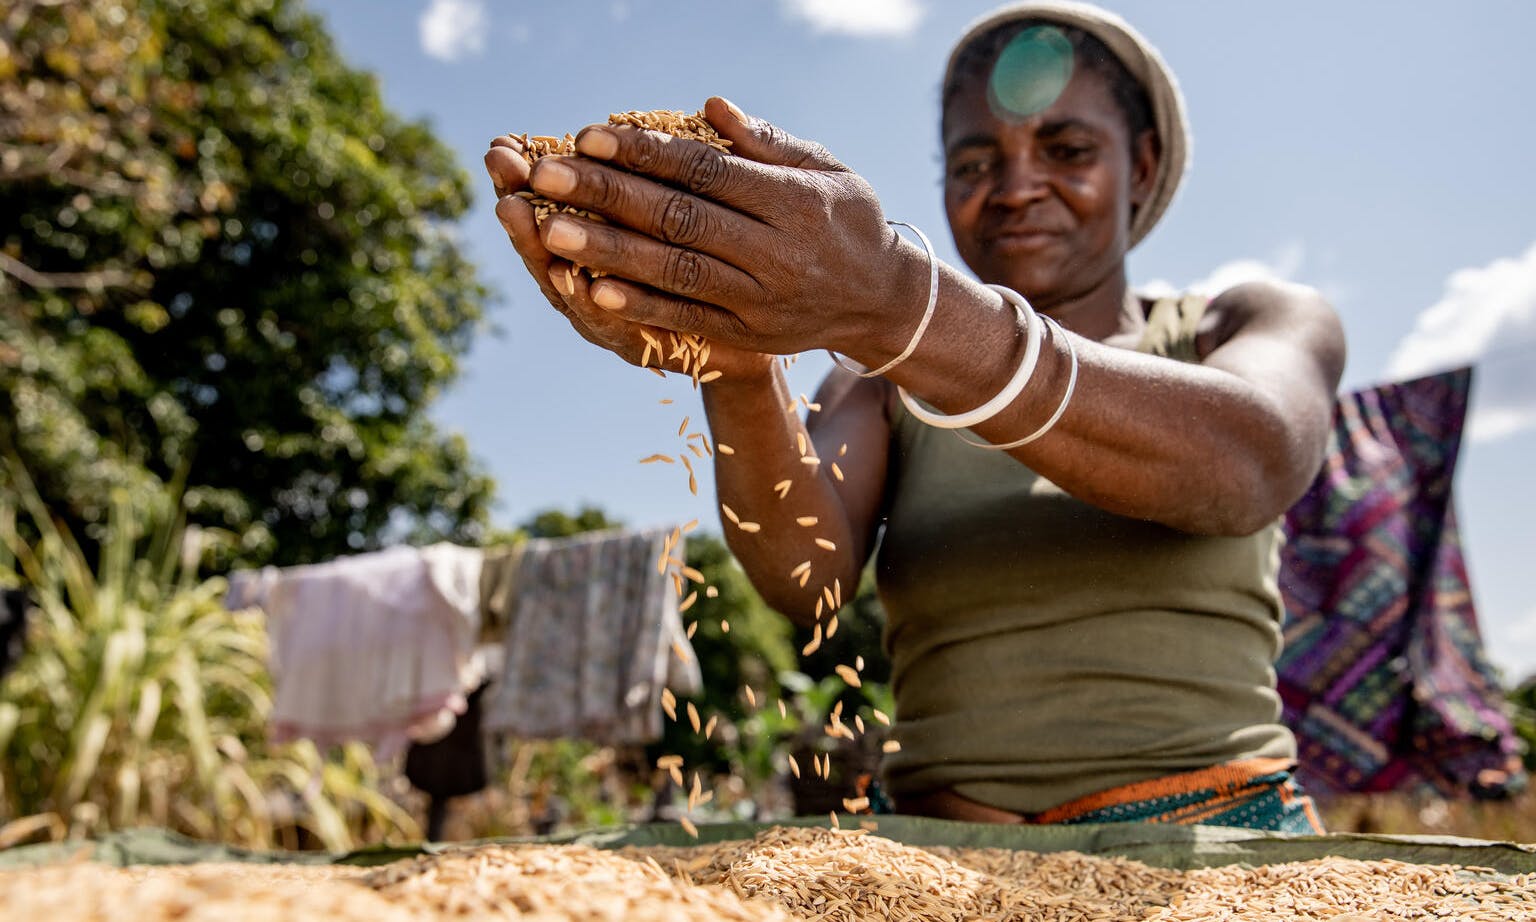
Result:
{"points": [[1044, 649]]}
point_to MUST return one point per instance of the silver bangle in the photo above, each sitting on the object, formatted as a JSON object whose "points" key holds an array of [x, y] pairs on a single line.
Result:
{"points": [[1034, 331], [1060, 408], [922, 325]]}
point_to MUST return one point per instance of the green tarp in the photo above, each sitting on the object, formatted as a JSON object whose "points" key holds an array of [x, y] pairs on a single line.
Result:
{"points": [[1161, 845]]}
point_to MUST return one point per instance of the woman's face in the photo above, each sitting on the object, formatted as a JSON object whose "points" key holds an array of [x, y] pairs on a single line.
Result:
{"points": [[1043, 204]]}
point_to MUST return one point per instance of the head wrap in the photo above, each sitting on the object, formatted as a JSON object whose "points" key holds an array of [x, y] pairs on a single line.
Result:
{"points": [[1143, 63]]}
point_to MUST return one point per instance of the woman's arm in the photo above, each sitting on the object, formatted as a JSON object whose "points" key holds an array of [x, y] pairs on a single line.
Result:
{"points": [[829, 510], [781, 249], [751, 411]]}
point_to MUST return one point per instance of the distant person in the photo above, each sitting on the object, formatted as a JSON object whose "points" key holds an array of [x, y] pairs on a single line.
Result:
{"points": [[1079, 497]]}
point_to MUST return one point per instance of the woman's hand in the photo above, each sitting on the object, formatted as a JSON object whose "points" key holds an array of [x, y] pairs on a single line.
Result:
{"points": [[774, 248], [567, 288]]}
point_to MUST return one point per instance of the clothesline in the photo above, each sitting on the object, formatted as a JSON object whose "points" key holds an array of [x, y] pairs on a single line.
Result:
{"points": [[577, 636]]}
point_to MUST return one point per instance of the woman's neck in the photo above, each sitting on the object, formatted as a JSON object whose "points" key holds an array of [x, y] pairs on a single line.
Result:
{"points": [[1108, 312]]}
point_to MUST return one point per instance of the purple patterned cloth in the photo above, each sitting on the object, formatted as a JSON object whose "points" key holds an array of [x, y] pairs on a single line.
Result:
{"points": [[1383, 675]]}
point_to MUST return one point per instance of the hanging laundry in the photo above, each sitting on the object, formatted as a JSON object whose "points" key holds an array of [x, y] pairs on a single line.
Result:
{"points": [[379, 647], [1383, 675], [593, 636]]}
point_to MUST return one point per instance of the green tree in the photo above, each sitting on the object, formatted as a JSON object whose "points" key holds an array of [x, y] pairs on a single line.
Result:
{"points": [[221, 255]]}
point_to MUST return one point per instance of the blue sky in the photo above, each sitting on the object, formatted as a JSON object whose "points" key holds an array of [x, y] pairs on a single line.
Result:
{"points": [[1379, 151]]}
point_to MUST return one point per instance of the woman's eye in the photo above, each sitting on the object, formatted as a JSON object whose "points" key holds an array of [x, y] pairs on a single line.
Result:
{"points": [[967, 170], [1069, 153]]}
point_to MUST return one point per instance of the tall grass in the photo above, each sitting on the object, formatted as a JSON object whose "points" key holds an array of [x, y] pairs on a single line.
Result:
{"points": [[142, 701]]}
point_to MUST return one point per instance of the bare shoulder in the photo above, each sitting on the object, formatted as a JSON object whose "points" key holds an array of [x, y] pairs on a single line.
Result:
{"points": [[1286, 314]]}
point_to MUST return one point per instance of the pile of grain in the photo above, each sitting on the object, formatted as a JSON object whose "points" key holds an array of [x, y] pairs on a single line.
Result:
{"points": [[200, 893], [848, 875], [555, 883], [782, 874]]}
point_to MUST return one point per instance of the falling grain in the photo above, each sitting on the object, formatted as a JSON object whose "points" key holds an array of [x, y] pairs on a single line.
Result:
{"points": [[815, 643]]}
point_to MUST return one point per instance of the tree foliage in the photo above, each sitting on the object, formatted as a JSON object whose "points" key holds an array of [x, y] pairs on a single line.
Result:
{"points": [[220, 254]]}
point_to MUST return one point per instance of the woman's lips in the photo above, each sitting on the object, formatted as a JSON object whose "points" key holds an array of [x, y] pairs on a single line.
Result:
{"points": [[1022, 239]]}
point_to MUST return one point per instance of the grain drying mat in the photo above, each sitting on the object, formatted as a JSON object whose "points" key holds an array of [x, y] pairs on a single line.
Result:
{"points": [[907, 869]]}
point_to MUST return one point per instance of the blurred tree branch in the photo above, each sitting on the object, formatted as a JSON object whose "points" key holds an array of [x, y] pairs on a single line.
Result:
{"points": [[98, 280]]}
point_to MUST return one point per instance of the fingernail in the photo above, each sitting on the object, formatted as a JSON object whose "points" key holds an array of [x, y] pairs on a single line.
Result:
{"points": [[565, 234], [502, 213], [607, 296], [552, 177], [598, 142], [736, 112]]}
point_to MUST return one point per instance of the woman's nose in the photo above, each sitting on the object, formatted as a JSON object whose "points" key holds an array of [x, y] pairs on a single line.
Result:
{"points": [[1021, 182]]}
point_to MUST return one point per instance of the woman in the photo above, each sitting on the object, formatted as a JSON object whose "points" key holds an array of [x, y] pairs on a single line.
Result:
{"points": [[1082, 604]]}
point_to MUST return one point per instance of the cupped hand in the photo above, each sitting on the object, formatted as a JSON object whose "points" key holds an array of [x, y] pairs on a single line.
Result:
{"points": [[568, 289], [773, 248]]}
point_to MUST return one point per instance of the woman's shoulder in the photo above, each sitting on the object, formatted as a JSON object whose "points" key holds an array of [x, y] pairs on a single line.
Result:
{"points": [[1267, 307]]}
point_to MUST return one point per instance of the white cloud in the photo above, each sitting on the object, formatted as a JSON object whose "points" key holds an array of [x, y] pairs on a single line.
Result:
{"points": [[451, 29], [1511, 644], [864, 18], [1487, 317], [1282, 267]]}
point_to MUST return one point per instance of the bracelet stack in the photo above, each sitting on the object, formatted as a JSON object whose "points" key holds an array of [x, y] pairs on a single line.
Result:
{"points": [[1034, 328], [1034, 331]]}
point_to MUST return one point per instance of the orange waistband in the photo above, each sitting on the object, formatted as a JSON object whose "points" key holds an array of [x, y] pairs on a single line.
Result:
{"points": [[1223, 780]]}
